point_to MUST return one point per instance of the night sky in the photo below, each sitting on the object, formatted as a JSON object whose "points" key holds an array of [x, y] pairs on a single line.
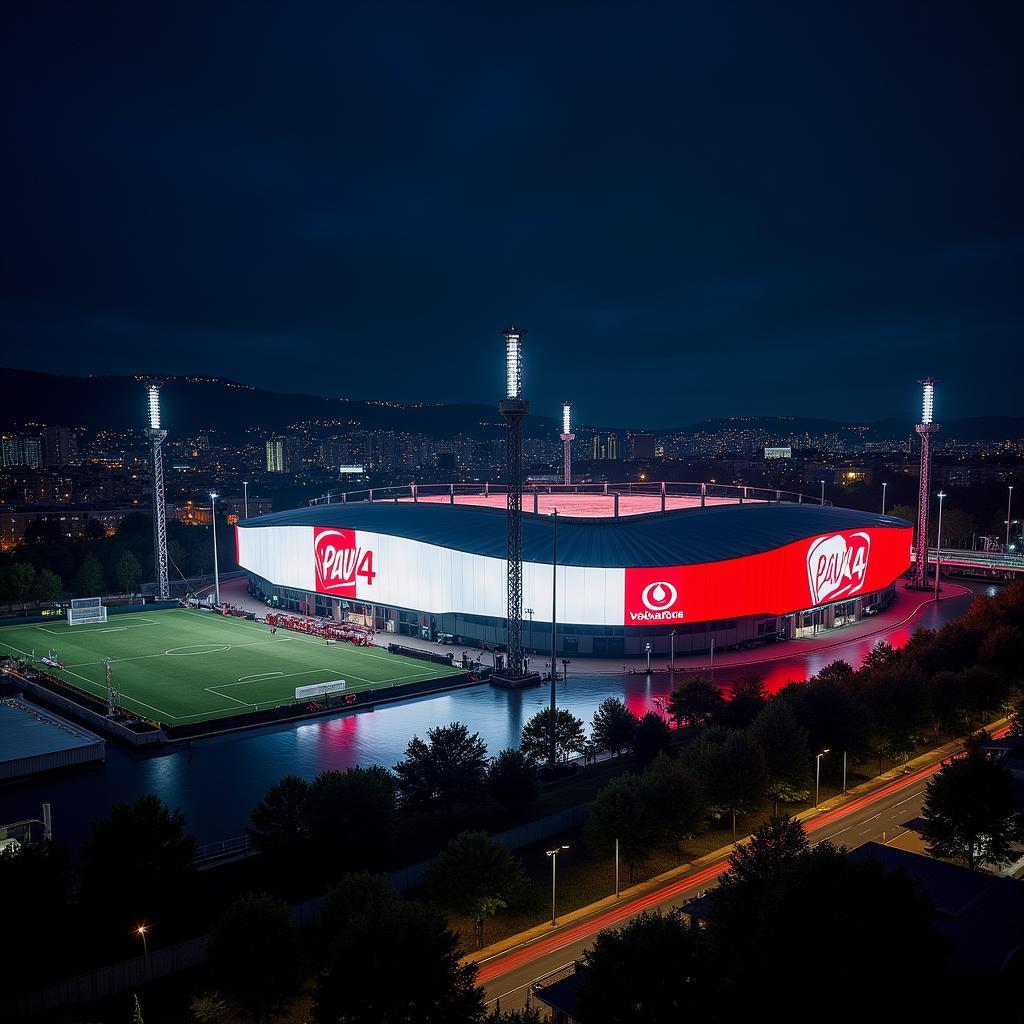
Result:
{"points": [[696, 209]]}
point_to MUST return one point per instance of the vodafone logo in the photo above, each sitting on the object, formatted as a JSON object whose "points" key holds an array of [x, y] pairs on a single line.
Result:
{"points": [[837, 565], [659, 596], [652, 595], [339, 562]]}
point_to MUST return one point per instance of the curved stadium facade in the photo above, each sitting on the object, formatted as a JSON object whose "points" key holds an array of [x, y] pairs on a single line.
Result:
{"points": [[628, 574]]}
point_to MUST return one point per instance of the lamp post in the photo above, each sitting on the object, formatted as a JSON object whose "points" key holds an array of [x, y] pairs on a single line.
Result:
{"points": [[616, 867], [1009, 506], [938, 545], [817, 773], [245, 499], [822, 482], [141, 932], [672, 651], [553, 854], [216, 573], [529, 641], [884, 485], [647, 651], [844, 771], [712, 658], [554, 633]]}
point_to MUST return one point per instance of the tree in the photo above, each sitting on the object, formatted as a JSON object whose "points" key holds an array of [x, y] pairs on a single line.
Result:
{"points": [[18, 581], [37, 883], [255, 956], [776, 844], [898, 701], [824, 912], [747, 698], [139, 865], [675, 799], [446, 770], [128, 573], [475, 876], [623, 811], [536, 738], [655, 968], [48, 586], [512, 779], [651, 737], [786, 756], [1003, 651], [278, 820], [735, 776], [351, 816], [89, 578], [970, 812], [408, 966], [613, 725], [696, 702], [356, 893]]}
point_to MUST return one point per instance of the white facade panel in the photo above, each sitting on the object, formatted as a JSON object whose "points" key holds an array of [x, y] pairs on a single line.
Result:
{"points": [[424, 577]]}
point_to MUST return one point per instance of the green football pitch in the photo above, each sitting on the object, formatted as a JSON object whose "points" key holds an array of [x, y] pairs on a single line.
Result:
{"points": [[180, 666]]}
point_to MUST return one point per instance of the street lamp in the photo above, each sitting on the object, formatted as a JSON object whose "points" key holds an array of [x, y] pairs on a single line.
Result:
{"points": [[1009, 506], [647, 651], [672, 651], [245, 499], [141, 932], [938, 545], [884, 485], [216, 574], [529, 611], [817, 773], [822, 482], [553, 854]]}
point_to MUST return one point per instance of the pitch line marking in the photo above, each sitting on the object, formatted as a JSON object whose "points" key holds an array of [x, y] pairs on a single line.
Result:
{"points": [[258, 675], [190, 652], [227, 696], [124, 697]]}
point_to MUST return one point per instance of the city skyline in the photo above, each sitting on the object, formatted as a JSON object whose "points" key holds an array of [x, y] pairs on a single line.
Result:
{"points": [[687, 225]]}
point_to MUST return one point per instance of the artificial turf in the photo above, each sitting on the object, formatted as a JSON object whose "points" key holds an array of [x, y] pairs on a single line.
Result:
{"points": [[180, 666]]}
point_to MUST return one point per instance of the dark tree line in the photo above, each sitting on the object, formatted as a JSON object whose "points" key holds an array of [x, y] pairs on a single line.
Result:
{"points": [[50, 566]]}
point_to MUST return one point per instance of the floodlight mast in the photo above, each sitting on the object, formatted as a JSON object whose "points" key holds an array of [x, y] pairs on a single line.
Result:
{"points": [[926, 428], [514, 409], [156, 437], [567, 439]]}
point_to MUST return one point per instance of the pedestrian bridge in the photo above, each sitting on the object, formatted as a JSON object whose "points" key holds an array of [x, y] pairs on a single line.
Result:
{"points": [[994, 561]]}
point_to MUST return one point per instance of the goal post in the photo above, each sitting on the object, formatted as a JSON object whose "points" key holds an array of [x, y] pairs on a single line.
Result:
{"points": [[319, 689], [86, 609]]}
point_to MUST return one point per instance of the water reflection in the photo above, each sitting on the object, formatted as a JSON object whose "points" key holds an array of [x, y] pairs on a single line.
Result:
{"points": [[216, 781]]}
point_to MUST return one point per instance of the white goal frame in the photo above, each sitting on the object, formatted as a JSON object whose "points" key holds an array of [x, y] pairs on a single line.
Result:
{"points": [[86, 609]]}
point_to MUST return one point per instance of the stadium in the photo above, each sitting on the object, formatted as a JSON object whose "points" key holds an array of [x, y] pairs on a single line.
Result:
{"points": [[682, 566]]}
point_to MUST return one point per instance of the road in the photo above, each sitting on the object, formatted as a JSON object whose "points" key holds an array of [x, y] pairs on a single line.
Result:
{"points": [[875, 816]]}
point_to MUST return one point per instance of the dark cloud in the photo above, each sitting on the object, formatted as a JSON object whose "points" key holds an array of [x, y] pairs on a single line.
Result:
{"points": [[745, 208]]}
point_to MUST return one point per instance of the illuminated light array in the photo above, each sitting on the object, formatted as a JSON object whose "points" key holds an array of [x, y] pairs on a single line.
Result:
{"points": [[513, 364], [154, 406], [566, 426], [928, 401]]}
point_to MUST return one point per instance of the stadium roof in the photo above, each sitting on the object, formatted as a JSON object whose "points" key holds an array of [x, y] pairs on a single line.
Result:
{"points": [[684, 537]]}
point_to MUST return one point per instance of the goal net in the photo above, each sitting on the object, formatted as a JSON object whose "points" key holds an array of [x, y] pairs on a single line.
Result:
{"points": [[86, 609], [319, 689]]}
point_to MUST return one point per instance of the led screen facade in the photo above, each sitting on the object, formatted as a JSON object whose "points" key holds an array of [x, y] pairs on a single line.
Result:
{"points": [[363, 566]]}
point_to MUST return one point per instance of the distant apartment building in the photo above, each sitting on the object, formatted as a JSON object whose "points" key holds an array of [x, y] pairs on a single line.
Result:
{"points": [[642, 447], [59, 446], [604, 449], [284, 455], [21, 450]]}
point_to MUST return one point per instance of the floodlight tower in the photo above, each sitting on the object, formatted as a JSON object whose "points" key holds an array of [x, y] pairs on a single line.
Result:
{"points": [[926, 428], [567, 439], [513, 408], [156, 438]]}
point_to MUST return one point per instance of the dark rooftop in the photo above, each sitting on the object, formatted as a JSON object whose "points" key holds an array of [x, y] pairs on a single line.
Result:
{"points": [[681, 537]]}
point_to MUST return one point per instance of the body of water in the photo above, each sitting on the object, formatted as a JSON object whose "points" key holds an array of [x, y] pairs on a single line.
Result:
{"points": [[216, 781]]}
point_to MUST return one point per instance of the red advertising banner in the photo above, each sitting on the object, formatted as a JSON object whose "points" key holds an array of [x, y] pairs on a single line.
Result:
{"points": [[806, 573], [340, 562]]}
